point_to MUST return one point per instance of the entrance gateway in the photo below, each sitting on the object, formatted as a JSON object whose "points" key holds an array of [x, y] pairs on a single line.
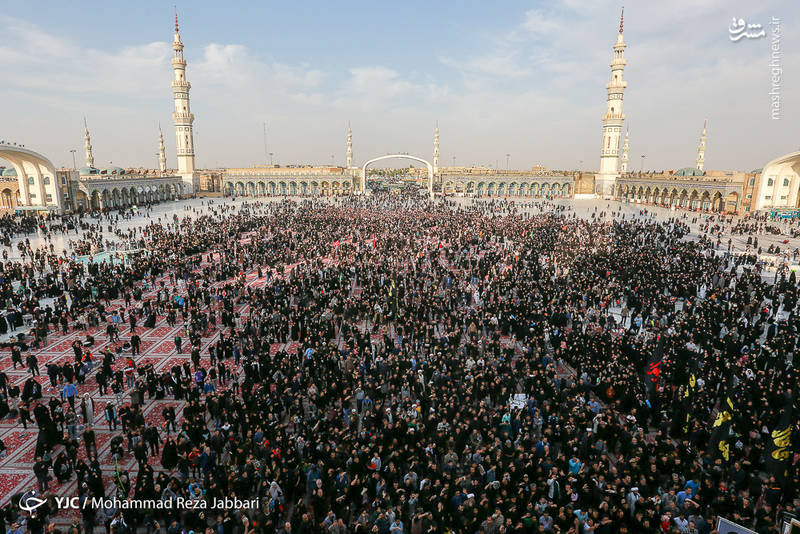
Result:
{"points": [[390, 156]]}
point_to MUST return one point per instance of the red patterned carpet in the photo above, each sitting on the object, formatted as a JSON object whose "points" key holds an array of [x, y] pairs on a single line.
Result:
{"points": [[157, 347]]}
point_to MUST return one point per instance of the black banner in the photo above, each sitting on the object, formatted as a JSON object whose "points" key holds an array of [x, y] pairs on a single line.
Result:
{"points": [[718, 445], [780, 445]]}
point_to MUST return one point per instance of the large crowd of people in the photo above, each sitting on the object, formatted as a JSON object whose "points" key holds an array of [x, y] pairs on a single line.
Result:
{"points": [[395, 365]]}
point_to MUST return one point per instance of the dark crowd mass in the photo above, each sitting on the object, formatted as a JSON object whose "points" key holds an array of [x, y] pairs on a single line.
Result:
{"points": [[407, 366]]}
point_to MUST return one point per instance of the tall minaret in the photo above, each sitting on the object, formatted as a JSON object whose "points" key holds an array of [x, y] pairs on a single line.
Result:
{"points": [[701, 148], [88, 145], [623, 161], [612, 120], [436, 149], [182, 116], [349, 147], [162, 156]]}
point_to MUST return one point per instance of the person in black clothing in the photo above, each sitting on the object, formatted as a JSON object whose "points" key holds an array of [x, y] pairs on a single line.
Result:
{"points": [[36, 523], [16, 356], [135, 342], [77, 350], [33, 364], [42, 416], [24, 415], [41, 470], [168, 414], [89, 443], [152, 438], [62, 468], [53, 370], [102, 381]]}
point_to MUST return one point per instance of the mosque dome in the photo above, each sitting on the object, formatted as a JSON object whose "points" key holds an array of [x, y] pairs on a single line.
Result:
{"points": [[688, 171], [83, 171], [113, 170], [9, 171]]}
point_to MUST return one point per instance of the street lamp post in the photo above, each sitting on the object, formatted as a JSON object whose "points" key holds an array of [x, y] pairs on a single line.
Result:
{"points": [[270, 158], [642, 165], [507, 158], [454, 161], [73, 159]]}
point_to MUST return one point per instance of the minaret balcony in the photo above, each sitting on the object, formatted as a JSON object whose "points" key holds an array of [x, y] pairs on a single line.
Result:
{"points": [[614, 116], [619, 85], [183, 117], [181, 86]]}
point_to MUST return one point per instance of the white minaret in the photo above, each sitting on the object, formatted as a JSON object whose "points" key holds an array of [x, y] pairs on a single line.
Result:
{"points": [[349, 147], [88, 145], [623, 161], [162, 156], [182, 116], [612, 121], [436, 149], [701, 148]]}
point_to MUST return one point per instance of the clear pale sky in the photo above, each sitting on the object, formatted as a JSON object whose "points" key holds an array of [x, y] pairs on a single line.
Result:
{"points": [[520, 77]]}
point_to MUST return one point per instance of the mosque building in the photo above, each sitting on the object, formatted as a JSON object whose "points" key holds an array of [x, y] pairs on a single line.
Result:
{"points": [[93, 187], [691, 188], [32, 183]]}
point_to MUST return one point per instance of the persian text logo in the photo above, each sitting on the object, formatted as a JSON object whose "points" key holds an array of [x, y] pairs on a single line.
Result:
{"points": [[740, 30], [30, 502]]}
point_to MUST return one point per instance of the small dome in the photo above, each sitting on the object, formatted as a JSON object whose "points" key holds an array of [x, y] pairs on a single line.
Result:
{"points": [[688, 171], [83, 171], [113, 170], [9, 171], [756, 171]]}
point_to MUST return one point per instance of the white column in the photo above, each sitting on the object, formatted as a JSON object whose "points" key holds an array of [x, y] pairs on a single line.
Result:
{"points": [[42, 190], [22, 181]]}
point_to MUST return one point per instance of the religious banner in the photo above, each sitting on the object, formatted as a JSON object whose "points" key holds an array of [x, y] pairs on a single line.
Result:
{"points": [[719, 445], [779, 447]]}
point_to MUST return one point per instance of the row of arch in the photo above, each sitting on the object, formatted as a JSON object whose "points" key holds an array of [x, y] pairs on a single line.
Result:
{"points": [[120, 197], [263, 188], [513, 189], [687, 198]]}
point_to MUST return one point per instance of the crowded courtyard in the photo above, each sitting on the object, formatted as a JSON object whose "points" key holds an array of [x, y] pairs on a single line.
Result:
{"points": [[394, 364]]}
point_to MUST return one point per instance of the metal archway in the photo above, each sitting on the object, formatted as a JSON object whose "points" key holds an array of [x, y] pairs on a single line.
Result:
{"points": [[390, 156]]}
